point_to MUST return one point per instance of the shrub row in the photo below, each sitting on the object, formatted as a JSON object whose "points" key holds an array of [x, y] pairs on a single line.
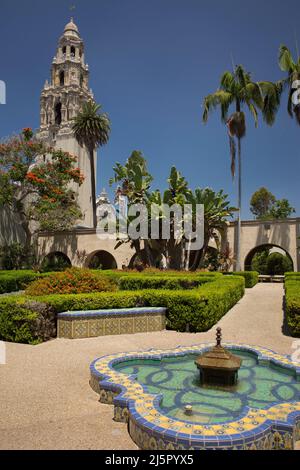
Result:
{"points": [[251, 277], [292, 276], [292, 304], [13, 281], [141, 282], [193, 310]]}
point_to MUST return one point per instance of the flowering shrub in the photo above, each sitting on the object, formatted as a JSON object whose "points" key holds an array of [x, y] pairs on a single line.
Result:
{"points": [[71, 281]]}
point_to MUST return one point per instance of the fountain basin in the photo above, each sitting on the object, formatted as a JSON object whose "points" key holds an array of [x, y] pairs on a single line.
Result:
{"points": [[150, 391]]}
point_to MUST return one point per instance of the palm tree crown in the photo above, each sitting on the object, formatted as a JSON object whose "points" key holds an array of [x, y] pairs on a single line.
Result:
{"points": [[90, 127]]}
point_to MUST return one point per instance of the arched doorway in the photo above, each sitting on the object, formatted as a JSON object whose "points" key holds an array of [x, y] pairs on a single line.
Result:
{"points": [[101, 260], [55, 261], [269, 259], [137, 260]]}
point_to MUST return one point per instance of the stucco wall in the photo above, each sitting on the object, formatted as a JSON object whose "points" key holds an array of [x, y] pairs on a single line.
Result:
{"points": [[79, 245]]}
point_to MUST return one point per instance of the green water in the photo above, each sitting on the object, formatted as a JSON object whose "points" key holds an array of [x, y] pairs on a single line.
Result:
{"points": [[177, 379]]}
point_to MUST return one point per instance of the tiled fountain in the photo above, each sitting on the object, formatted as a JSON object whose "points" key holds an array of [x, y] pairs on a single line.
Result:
{"points": [[160, 395]]}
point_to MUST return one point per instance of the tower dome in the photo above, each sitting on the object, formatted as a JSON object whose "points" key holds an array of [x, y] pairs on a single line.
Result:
{"points": [[71, 29]]}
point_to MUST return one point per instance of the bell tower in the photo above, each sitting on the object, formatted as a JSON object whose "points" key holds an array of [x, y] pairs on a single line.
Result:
{"points": [[61, 100]]}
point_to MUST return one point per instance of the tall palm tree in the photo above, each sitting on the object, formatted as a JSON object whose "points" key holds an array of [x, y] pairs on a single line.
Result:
{"points": [[239, 90], [92, 129], [292, 67]]}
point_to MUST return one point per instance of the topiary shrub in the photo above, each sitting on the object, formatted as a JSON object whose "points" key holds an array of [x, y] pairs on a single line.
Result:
{"points": [[71, 281]]}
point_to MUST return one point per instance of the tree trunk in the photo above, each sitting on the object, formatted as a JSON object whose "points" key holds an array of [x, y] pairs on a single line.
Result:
{"points": [[239, 224], [93, 187]]}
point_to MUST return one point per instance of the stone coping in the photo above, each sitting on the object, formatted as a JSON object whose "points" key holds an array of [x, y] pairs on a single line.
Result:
{"points": [[276, 427], [112, 312]]}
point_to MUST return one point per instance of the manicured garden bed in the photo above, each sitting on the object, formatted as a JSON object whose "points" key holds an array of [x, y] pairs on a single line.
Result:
{"points": [[292, 302], [196, 309]]}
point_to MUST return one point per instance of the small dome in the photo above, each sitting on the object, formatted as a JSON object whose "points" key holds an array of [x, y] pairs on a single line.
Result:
{"points": [[71, 28]]}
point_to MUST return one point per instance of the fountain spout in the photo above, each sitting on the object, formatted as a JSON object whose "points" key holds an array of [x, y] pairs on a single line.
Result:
{"points": [[218, 366]]}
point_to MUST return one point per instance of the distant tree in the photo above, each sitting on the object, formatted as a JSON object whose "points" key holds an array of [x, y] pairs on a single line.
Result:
{"points": [[265, 206], [261, 203], [259, 261], [282, 209], [278, 264]]}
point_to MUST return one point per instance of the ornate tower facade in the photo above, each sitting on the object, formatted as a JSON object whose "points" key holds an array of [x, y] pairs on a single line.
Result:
{"points": [[61, 100]]}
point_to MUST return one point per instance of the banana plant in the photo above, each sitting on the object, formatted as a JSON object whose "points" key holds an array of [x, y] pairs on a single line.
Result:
{"points": [[217, 211]]}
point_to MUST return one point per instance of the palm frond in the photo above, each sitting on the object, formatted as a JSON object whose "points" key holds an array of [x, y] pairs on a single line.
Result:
{"points": [[271, 95], [285, 59], [219, 98]]}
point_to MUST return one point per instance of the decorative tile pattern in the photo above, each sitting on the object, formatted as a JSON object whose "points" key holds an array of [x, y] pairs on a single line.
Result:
{"points": [[80, 329], [277, 427], [90, 324], [64, 329]]}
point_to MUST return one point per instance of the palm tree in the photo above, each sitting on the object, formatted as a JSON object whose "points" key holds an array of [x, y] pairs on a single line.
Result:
{"points": [[287, 64], [92, 129], [238, 89]]}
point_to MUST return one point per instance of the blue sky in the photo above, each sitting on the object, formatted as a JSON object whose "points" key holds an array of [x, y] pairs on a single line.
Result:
{"points": [[152, 62]]}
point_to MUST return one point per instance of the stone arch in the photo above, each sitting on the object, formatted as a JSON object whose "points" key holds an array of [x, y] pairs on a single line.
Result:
{"points": [[258, 248], [56, 261], [101, 259]]}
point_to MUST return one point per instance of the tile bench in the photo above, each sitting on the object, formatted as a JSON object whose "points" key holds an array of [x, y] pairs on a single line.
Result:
{"points": [[94, 323]]}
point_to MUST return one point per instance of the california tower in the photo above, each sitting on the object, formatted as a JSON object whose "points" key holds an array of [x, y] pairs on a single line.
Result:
{"points": [[61, 100]]}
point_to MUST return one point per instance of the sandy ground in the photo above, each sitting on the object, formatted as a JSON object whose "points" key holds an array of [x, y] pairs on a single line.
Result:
{"points": [[45, 398]]}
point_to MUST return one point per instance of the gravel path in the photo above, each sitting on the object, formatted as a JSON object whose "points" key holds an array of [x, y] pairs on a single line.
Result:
{"points": [[45, 398]]}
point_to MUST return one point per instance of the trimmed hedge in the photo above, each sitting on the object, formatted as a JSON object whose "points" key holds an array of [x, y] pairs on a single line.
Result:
{"points": [[251, 277], [292, 276], [141, 282], [193, 310], [13, 281], [157, 273], [292, 303]]}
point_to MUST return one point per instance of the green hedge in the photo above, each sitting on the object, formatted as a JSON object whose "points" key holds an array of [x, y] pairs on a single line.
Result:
{"points": [[292, 276], [196, 310], [13, 281], [251, 277], [292, 304], [141, 282]]}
